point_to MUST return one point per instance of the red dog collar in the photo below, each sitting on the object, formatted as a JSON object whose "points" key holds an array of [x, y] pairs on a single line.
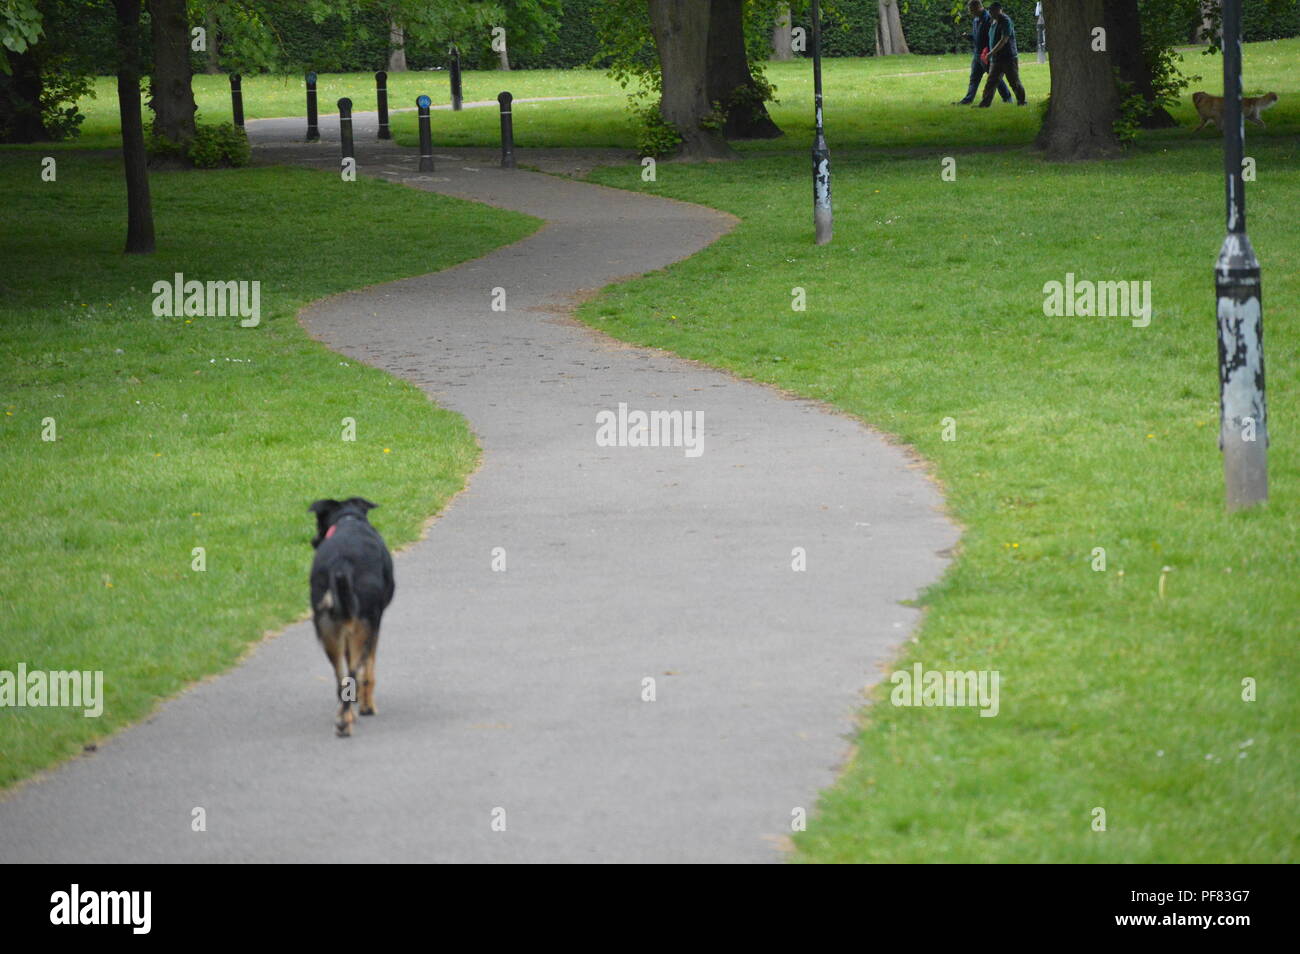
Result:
{"points": [[330, 532]]}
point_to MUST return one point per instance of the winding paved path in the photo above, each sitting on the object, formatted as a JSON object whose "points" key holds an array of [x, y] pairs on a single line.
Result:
{"points": [[522, 689]]}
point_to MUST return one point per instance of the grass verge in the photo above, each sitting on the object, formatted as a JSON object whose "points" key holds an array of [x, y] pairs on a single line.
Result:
{"points": [[177, 433], [1071, 434]]}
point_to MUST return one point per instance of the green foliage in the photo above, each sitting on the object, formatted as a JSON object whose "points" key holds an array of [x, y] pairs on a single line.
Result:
{"points": [[213, 147], [848, 27], [21, 24], [655, 135]]}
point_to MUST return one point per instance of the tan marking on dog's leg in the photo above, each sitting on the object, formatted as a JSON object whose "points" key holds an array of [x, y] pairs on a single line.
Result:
{"points": [[368, 678], [334, 650]]}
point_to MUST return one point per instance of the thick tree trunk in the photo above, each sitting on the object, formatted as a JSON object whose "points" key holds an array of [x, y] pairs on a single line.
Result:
{"points": [[781, 51], [729, 79], [1080, 117], [22, 120], [1124, 32], [396, 48], [503, 59], [681, 34], [212, 59], [139, 208], [889, 30], [171, 96]]}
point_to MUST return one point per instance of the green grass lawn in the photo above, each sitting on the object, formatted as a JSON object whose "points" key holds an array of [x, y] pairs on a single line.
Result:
{"points": [[868, 101], [1071, 434], [174, 433]]}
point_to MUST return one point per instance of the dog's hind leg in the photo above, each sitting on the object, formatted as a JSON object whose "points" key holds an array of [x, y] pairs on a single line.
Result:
{"points": [[333, 643], [356, 634], [368, 676]]}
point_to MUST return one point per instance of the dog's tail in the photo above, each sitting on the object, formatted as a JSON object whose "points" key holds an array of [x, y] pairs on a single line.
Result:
{"points": [[344, 603]]}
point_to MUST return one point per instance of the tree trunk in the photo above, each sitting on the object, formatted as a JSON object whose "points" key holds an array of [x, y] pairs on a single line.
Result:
{"points": [[396, 48], [681, 34], [503, 59], [1124, 34], [212, 60], [889, 30], [22, 121], [781, 51], [171, 96], [139, 208], [1082, 110], [729, 80]]}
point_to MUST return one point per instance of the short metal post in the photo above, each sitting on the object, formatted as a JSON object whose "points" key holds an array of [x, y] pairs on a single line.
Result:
{"points": [[345, 128], [426, 135], [507, 132], [1243, 420], [381, 100], [313, 130], [237, 99], [456, 97]]}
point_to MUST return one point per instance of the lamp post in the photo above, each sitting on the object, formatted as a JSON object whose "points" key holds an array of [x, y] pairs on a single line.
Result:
{"points": [[821, 157], [1243, 421]]}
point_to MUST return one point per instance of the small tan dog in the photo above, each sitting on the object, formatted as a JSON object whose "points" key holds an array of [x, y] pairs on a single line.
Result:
{"points": [[1210, 108]]}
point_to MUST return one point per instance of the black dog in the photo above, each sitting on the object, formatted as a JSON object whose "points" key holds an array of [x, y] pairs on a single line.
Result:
{"points": [[351, 586]]}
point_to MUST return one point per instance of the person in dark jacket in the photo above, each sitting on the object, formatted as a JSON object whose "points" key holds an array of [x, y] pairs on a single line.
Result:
{"points": [[979, 39], [1004, 59]]}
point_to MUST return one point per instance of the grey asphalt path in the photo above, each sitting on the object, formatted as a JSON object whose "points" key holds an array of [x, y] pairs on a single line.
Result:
{"points": [[521, 690]]}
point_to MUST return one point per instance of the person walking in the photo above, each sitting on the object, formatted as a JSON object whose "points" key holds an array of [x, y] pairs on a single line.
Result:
{"points": [[1004, 59], [979, 38]]}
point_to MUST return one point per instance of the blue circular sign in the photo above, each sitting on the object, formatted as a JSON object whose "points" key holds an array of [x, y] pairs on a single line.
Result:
{"points": [[423, 102]]}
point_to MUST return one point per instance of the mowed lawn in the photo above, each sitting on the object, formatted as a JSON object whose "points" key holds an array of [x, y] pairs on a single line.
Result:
{"points": [[877, 101], [177, 433], [1071, 434]]}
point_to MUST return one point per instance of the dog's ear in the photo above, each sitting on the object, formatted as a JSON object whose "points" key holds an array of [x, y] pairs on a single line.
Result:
{"points": [[365, 505], [323, 509]]}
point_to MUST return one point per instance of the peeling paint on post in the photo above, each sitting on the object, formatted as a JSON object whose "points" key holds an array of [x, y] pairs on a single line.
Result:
{"points": [[345, 128], [821, 157], [1243, 420], [237, 99], [507, 132], [381, 103], [426, 135], [313, 130]]}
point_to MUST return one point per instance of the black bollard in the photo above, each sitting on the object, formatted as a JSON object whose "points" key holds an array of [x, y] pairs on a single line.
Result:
{"points": [[507, 132], [345, 128], [237, 99], [381, 99], [426, 136], [313, 131], [456, 97]]}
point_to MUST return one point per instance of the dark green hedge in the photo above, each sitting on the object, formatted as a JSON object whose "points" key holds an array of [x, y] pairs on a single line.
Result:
{"points": [[848, 28]]}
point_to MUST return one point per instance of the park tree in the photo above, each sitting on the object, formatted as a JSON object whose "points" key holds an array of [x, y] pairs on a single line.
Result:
{"points": [[139, 206], [695, 63], [171, 88], [681, 36], [730, 83], [889, 29], [1081, 113]]}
